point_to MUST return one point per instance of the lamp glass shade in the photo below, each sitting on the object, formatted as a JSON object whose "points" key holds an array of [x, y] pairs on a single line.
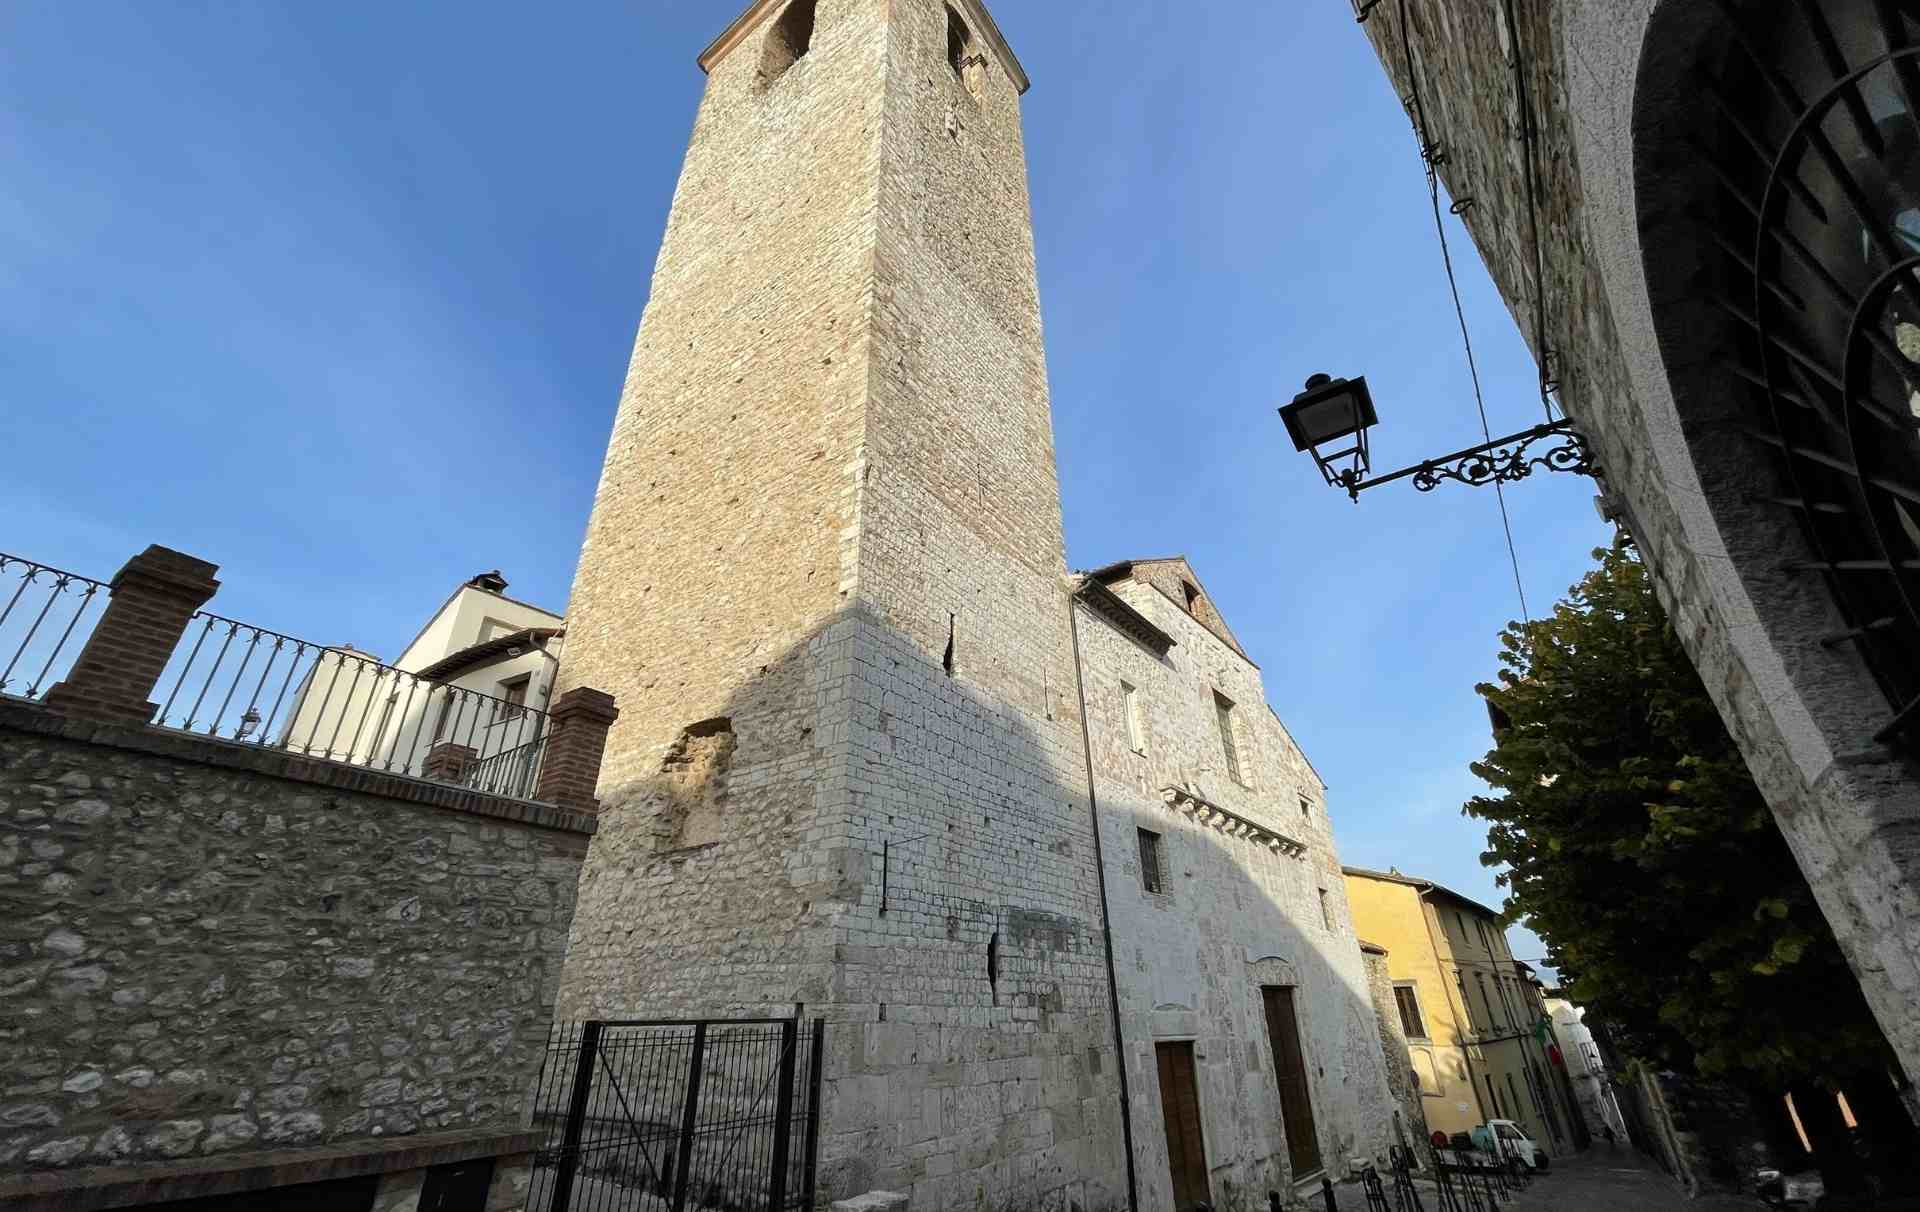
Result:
{"points": [[1332, 410]]}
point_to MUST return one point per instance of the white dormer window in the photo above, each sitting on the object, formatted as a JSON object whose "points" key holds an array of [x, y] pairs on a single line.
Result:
{"points": [[493, 629]]}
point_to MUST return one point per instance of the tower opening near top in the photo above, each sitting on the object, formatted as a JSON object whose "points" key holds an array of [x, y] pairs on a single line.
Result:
{"points": [[966, 64], [958, 39], [790, 38]]}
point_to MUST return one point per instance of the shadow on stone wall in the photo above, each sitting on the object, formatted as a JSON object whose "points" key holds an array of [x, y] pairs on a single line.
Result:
{"points": [[853, 828]]}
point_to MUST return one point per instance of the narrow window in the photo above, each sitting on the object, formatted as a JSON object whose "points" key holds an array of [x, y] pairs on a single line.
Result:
{"points": [[1407, 997], [1136, 732], [790, 38], [1326, 911], [1513, 1092], [1481, 980], [1306, 806], [1193, 597], [1223, 709], [1150, 875], [514, 695], [959, 38], [969, 65], [1493, 1100]]}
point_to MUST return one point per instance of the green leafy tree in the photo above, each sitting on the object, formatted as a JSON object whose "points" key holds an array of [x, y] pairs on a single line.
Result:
{"points": [[1640, 850]]}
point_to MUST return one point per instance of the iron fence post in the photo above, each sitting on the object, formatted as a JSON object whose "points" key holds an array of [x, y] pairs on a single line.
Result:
{"points": [[783, 1115], [689, 1117], [813, 1107], [576, 1116]]}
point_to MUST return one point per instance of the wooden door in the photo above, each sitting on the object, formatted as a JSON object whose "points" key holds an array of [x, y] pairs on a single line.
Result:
{"points": [[1290, 1071], [1180, 1110]]}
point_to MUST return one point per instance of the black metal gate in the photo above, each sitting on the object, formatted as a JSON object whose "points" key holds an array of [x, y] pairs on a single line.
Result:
{"points": [[720, 1115]]}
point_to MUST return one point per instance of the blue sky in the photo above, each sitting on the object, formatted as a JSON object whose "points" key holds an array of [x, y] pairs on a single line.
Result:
{"points": [[340, 296]]}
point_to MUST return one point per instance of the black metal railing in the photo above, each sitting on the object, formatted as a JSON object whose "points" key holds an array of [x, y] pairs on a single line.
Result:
{"points": [[244, 683], [1469, 1178], [513, 771], [666, 1116], [46, 615]]}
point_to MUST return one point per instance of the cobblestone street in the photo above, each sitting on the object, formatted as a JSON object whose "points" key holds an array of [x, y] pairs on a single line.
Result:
{"points": [[1603, 1181]]}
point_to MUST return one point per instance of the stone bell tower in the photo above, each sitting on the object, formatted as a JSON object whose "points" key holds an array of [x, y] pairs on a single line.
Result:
{"points": [[824, 580]]}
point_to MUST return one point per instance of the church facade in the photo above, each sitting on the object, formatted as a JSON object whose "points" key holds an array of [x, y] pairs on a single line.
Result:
{"points": [[858, 755]]}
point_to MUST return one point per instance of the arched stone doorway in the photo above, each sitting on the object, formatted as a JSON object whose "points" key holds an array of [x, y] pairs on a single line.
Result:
{"points": [[1769, 263]]}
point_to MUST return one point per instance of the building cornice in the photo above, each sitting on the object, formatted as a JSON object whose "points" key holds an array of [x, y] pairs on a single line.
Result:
{"points": [[758, 13], [1206, 812], [1115, 610], [486, 652]]}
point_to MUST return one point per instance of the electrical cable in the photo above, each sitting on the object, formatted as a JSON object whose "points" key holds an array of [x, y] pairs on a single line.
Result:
{"points": [[1528, 143], [1431, 155]]}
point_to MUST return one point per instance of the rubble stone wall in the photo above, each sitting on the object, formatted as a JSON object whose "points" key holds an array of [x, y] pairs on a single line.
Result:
{"points": [[199, 959], [1393, 1045]]}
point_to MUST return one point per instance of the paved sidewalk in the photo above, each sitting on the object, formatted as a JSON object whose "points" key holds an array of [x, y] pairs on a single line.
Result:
{"points": [[1600, 1180]]}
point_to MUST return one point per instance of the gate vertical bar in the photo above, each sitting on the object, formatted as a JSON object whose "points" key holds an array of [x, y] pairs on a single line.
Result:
{"points": [[576, 1117], [689, 1117], [783, 1115], [813, 1107]]}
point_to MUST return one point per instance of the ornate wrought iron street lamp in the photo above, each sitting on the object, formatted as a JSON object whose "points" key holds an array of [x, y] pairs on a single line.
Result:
{"points": [[1330, 420]]}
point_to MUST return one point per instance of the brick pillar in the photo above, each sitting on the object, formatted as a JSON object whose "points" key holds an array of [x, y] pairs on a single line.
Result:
{"points": [[153, 599], [571, 769], [448, 762]]}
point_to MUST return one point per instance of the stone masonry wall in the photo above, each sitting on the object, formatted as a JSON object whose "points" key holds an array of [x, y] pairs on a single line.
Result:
{"points": [[714, 583], [1232, 915], [828, 531], [1614, 206], [969, 738], [1393, 1046], [198, 959]]}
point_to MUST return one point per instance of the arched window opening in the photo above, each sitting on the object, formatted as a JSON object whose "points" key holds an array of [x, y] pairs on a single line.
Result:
{"points": [[959, 38], [967, 64], [789, 39], [1809, 343]]}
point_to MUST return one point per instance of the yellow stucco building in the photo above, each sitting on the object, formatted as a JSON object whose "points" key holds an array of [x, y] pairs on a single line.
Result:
{"points": [[1470, 1010]]}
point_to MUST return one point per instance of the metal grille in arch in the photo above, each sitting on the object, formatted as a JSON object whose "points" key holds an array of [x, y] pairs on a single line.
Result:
{"points": [[1812, 134]]}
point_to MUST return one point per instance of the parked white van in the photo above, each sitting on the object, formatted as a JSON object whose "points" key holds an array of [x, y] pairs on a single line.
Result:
{"points": [[1515, 1142]]}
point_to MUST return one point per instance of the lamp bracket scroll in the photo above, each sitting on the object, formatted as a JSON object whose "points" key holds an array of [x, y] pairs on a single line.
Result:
{"points": [[1510, 459], [1331, 418]]}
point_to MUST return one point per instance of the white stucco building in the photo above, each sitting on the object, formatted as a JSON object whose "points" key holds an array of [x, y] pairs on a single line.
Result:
{"points": [[1592, 1088], [453, 704]]}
